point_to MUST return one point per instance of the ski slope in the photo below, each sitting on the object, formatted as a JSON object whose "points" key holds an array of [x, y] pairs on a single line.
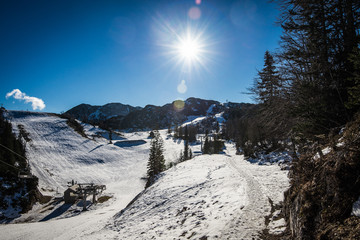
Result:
{"points": [[57, 155], [214, 196]]}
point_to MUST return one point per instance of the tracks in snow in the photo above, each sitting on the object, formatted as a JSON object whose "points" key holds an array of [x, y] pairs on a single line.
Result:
{"points": [[250, 220]]}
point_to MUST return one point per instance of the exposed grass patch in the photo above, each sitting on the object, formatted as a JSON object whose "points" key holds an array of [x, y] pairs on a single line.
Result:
{"points": [[103, 199], [71, 122]]}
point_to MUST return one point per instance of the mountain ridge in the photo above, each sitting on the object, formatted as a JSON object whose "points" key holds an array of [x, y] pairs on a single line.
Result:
{"points": [[121, 116]]}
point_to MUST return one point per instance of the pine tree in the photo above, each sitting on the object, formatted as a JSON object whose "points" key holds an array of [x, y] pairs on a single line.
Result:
{"points": [[206, 147], [186, 144], [181, 157], [270, 92], [318, 39], [110, 136], [169, 129], [268, 84], [217, 145], [176, 131], [217, 128], [156, 162]]}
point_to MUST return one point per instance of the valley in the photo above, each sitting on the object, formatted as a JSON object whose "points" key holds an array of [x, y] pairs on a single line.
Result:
{"points": [[211, 196]]}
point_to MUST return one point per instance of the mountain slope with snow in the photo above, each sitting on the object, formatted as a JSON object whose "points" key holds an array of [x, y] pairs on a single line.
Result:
{"points": [[208, 197], [57, 154], [214, 196]]}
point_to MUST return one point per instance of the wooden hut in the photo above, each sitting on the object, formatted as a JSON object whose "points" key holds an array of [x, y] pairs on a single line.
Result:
{"points": [[71, 194]]}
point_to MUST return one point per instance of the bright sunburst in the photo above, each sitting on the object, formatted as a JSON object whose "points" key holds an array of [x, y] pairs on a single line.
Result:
{"points": [[189, 48]]}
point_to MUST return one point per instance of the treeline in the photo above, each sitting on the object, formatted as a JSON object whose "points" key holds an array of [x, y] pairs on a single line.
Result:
{"points": [[13, 163], [311, 84], [307, 91]]}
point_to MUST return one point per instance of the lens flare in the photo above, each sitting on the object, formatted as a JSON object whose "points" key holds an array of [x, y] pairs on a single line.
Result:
{"points": [[182, 88], [178, 105]]}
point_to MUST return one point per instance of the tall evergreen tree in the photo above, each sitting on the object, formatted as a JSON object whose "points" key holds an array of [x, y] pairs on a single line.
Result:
{"points": [[186, 144], [270, 92], [206, 147], [318, 38], [267, 85], [156, 162]]}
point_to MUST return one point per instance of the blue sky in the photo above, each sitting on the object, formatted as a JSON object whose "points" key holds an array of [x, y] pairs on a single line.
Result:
{"points": [[65, 53]]}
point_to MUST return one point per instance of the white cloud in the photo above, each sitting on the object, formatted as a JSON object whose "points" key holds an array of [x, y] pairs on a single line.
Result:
{"points": [[182, 88], [36, 103]]}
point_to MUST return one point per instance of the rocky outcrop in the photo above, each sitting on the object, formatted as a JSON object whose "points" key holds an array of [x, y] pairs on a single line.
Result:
{"points": [[324, 187]]}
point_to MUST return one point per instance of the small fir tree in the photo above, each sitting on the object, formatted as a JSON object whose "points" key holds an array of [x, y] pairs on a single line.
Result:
{"points": [[186, 144], [206, 147]]}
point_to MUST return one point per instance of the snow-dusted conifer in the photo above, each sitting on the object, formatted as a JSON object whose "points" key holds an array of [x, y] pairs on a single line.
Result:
{"points": [[156, 162]]}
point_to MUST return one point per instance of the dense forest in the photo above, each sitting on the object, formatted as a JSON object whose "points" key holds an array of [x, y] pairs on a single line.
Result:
{"points": [[18, 188], [307, 91]]}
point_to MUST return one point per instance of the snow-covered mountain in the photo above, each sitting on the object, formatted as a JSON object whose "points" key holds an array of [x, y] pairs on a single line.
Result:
{"points": [[96, 114], [209, 197], [151, 116]]}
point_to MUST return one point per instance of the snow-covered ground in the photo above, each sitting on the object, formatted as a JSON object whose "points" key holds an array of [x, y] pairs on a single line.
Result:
{"points": [[209, 197], [214, 196]]}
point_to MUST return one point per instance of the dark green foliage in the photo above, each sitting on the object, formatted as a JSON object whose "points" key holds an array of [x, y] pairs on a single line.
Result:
{"points": [[74, 124], [23, 133], [176, 131], [311, 84], [247, 131], [318, 68], [218, 144], [206, 147], [186, 144], [152, 134], [110, 137], [169, 129], [12, 163], [192, 131], [186, 154], [156, 162], [214, 146], [267, 85], [354, 88], [186, 150], [316, 46]]}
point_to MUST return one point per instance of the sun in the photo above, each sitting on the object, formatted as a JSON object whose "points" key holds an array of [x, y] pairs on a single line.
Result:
{"points": [[189, 48]]}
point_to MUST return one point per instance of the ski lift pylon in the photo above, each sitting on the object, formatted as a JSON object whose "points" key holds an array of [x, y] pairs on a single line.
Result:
{"points": [[25, 175]]}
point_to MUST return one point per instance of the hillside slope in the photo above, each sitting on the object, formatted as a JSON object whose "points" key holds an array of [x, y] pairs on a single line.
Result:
{"points": [[211, 196], [208, 197], [57, 154]]}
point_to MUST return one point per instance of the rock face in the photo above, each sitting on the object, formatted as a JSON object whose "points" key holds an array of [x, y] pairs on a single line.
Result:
{"points": [[324, 186]]}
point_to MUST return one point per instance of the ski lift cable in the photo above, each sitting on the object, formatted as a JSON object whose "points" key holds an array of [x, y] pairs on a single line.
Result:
{"points": [[24, 176], [9, 165], [13, 151]]}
